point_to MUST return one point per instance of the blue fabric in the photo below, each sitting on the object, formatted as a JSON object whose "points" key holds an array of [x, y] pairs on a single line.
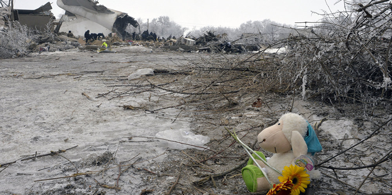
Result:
{"points": [[312, 141]]}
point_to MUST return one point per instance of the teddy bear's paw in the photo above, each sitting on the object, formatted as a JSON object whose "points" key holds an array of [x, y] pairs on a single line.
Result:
{"points": [[250, 174]]}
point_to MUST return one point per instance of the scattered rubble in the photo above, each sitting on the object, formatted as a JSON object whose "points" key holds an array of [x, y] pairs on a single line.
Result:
{"points": [[40, 19], [47, 35]]}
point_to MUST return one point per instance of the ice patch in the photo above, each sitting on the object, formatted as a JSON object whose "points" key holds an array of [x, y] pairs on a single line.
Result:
{"points": [[141, 72], [183, 136], [276, 50], [340, 130]]}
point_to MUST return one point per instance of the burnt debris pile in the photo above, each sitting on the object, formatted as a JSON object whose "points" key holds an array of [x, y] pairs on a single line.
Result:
{"points": [[18, 40], [26, 31]]}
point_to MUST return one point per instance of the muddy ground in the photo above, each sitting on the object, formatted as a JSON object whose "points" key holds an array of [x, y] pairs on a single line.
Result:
{"points": [[96, 130]]}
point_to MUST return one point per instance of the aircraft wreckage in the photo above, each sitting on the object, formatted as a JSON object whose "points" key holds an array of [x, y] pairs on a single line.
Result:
{"points": [[83, 15]]}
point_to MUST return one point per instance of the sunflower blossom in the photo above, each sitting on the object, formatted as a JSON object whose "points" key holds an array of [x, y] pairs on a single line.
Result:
{"points": [[283, 188], [298, 176]]}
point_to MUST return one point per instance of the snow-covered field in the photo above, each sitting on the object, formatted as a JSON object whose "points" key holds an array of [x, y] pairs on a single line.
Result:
{"points": [[49, 102]]}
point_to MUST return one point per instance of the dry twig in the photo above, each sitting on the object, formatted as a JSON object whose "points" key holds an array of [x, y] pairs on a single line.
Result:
{"points": [[175, 183], [210, 177]]}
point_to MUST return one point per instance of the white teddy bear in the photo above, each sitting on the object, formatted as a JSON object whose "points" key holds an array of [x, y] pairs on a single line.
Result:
{"points": [[293, 141]]}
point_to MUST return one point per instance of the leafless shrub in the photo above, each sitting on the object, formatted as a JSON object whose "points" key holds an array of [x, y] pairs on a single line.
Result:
{"points": [[48, 31], [15, 40], [345, 59]]}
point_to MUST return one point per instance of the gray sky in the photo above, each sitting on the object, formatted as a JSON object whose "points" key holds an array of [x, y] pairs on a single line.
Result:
{"points": [[200, 13]]}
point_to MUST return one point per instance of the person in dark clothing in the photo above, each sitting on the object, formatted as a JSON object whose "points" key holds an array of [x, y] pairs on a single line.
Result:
{"points": [[145, 35], [70, 34], [87, 35], [93, 36], [101, 36]]}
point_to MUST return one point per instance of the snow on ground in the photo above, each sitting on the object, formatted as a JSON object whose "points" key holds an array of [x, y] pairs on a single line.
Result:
{"points": [[338, 133], [276, 50], [48, 102]]}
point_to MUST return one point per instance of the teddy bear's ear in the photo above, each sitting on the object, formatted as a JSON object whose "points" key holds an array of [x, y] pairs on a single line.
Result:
{"points": [[298, 144]]}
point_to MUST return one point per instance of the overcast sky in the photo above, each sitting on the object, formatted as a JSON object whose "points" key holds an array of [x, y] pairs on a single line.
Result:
{"points": [[200, 13]]}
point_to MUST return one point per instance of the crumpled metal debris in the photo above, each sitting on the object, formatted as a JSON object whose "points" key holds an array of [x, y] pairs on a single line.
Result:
{"points": [[88, 12]]}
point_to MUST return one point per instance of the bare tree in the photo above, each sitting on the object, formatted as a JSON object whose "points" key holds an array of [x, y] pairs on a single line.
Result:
{"points": [[164, 27]]}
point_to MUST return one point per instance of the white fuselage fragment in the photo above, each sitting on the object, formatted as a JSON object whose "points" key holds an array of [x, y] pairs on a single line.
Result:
{"points": [[79, 25], [106, 20]]}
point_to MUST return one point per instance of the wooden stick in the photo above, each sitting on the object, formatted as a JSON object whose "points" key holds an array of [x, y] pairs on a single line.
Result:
{"points": [[119, 174], [187, 93], [353, 187], [3, 169], [355, 168], [88, 97], [385, 157], [77, 171], [175, 142], [107, 186], [217, 153], [73, 175], [177, 115], [197, 161], [172, 187], [52, 153], [205, 179], [146, 170], [5, 164]]}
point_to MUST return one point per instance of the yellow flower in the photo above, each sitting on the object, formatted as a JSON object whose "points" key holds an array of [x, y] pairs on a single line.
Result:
{"points": [[298, 176], [283, 188]]}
